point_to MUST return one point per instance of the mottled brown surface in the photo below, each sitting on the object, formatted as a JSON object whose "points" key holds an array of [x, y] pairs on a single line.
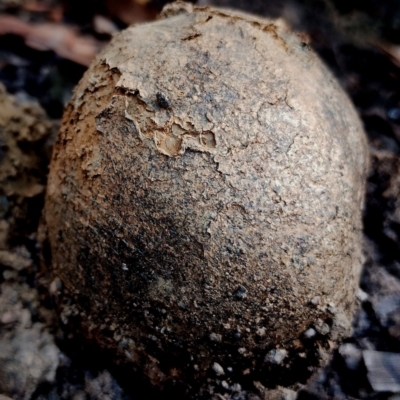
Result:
{"points": [[205, 194], [23, 129]]}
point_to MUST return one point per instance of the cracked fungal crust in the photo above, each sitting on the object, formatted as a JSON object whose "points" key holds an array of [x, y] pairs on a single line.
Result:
{"points": [[207, 182]]}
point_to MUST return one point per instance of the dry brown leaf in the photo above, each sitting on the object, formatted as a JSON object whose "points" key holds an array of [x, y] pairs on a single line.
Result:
{"points": [[393, 51], [13, 26], [131, 11], [62, 39]]}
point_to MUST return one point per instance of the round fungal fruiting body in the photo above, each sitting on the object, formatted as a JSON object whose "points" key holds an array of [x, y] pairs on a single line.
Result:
{"points": [[205, 189]]}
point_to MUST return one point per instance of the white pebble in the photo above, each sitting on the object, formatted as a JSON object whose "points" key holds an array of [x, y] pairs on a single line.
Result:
{"points": [[309, 333], [361, 295], [276, 356], [218, 369]]}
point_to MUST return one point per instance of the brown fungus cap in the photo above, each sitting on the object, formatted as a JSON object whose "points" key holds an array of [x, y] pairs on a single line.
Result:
{"points": [[205, 194]]}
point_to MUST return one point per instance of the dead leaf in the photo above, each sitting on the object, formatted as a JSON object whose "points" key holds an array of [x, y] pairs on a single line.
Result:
{"points": [[62, 39], [393, 51], [131, 11]]}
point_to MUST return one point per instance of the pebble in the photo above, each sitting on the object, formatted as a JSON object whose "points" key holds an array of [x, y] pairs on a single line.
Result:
{"points": [[351, 355], [236, 387], [315, 301], [218, 369], [276, 356], [362, 296], [241, 292], [27, 358], [14, 261], [321, 327], [55, 286], [261, 332], [385, 306], [394, 113], [10, 275], [309, 333], [225, 385], [215, 337], [8, 317]]}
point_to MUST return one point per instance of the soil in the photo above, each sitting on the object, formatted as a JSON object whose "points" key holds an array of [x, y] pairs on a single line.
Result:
{"points": [[43, 357]]}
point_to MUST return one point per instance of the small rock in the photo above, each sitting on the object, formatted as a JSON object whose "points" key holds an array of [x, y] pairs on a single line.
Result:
{"points": [[362, 296], [276, 356], [10, 275], [309, 333], [316, 301], [8, 317], [225, 385], [351, 355], [14, 261], [27, 358], [215, 337], [241, 292], [103, 387], [385, 306], [383, 370], [362, 322], [261, 332], [321, 327], [236, 387], [331, 307], [341, 326], [279, 393], [218, 369], [394, 113], [55, 286]]}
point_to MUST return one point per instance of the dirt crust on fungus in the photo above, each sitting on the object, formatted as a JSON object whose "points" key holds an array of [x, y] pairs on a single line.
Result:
{"points": [[205, 194]]}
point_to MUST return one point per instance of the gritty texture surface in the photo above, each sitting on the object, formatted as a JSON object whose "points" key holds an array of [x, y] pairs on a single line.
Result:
{"points": [[23, 129], [204, 202], [28, 354]]}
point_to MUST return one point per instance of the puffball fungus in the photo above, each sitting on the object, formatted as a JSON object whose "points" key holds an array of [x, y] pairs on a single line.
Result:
{"points": [[205, 194]]}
